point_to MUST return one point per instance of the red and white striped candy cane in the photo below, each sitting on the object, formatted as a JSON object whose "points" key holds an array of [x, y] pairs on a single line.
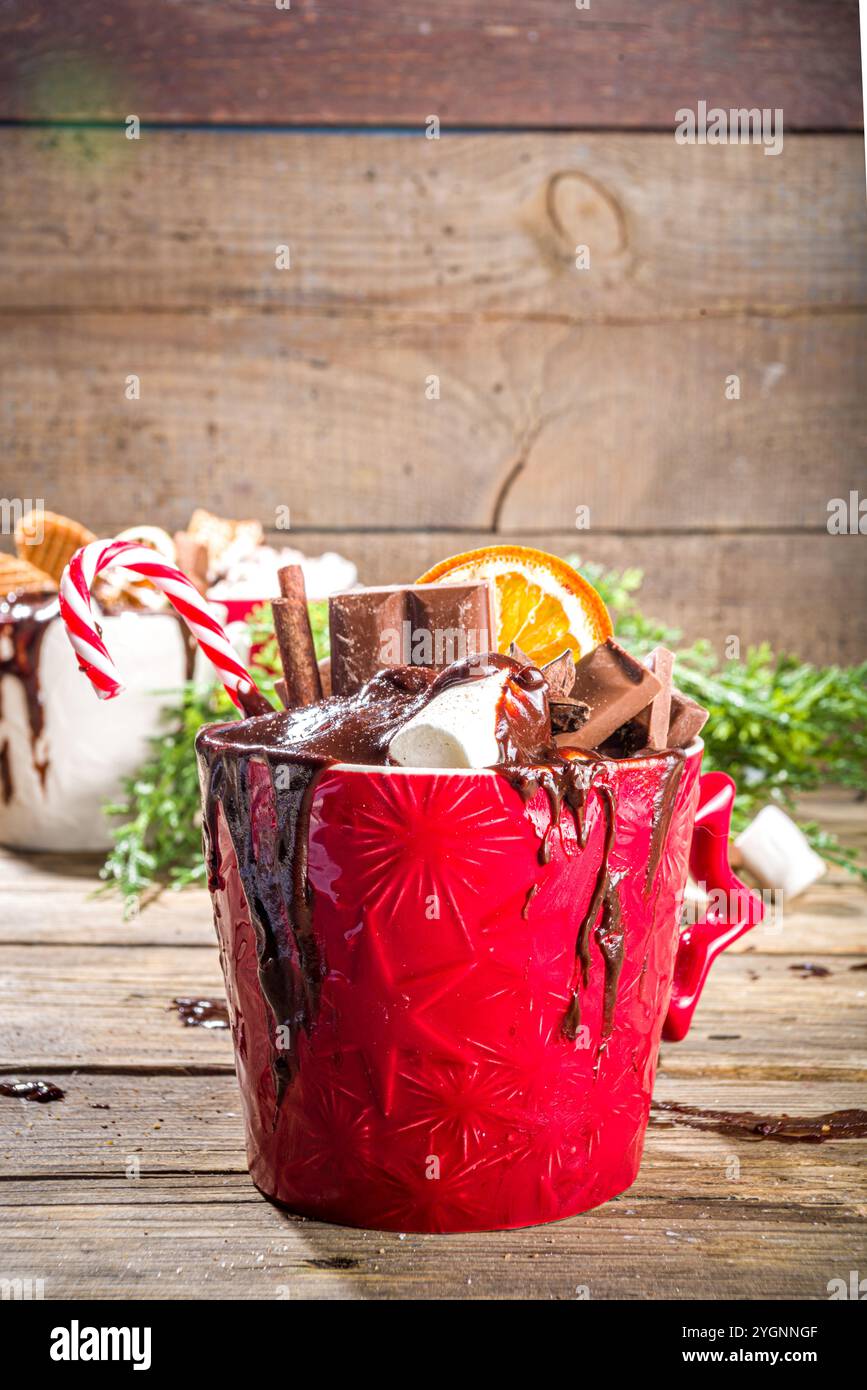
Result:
{"points": [[182, 594]]}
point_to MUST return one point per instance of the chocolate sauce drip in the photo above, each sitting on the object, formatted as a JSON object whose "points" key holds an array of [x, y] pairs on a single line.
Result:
{"points": [[202, 1013], [40, 1091], [6, 784], [531, 893], [611, 940], [253, 702], [572, 1020], [663, 807], [564, 782], [276, 888], [295, 746], [784, 1129], [23, 623]]}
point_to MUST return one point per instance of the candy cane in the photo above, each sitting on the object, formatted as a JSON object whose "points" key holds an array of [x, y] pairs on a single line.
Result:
{"points": [[182, 594]]}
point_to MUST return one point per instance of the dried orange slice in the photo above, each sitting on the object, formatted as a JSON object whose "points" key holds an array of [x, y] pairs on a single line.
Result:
{"points": [[541, 603]]}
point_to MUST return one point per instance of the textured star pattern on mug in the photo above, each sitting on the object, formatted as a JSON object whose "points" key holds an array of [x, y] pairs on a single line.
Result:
{"points": [[388, 1014], [540, 968], [439, 844], [445, 1197], [462, 1105], [333, 1128]]}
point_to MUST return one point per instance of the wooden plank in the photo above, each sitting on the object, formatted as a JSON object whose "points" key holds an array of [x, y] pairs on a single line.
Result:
{"points": [[200, 1236], [168, 1123], [466, 226], [192, 1124], [332, 418], [51, 899], [107, 1008], [709, 586], [65, 916], [829, 920], [792, 590], [110, 1009], [534, 64], [759, 1018]]}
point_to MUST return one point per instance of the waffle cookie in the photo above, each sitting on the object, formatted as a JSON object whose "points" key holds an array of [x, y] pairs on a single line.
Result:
{"points": [[48, 541], [20, 577]]}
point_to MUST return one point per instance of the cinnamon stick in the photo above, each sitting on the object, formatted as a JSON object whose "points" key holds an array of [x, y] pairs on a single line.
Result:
{"points": [[295, 639]]}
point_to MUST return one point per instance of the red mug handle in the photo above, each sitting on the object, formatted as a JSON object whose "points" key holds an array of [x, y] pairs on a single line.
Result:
{"points": [[701, 942]]}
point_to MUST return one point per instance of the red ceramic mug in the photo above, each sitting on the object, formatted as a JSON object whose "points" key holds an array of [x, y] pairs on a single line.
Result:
{"points": [[465, 1068]]}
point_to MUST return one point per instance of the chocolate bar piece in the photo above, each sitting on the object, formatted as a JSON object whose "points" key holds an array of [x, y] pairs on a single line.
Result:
{"points": [[406, 625], [649, 728], [615, 686], [661, 663], [560, 675], [688, 718]]}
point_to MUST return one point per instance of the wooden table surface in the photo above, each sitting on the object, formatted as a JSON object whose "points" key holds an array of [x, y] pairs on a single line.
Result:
{"points": [[135, 1185]]}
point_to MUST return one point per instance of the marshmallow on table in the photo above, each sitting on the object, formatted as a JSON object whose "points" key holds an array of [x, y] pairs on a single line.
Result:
{"points": [[456, 729], [778, 854]]}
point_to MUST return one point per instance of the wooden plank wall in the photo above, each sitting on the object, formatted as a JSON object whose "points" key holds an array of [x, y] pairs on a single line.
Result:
{"points": [[412, 259]]}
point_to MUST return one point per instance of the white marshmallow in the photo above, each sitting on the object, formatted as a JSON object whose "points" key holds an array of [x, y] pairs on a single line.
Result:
{"points": [[457, 728], [778, 854]]}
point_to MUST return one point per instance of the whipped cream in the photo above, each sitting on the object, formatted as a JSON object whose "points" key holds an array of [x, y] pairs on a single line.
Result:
{"points": [[252, 573]]}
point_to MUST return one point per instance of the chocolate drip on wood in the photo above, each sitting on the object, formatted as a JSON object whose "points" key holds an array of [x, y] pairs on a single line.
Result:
{"points": [[784, 1129], [40, 1091], [202, 1013]]}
